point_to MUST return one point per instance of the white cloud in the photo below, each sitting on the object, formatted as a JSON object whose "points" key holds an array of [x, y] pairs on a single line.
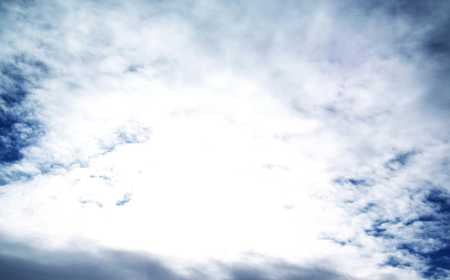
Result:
{"points": [[224, 130]]}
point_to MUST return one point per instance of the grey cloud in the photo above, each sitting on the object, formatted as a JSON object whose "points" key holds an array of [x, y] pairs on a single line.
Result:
{"points": [[400, 160], [282, 271], [19, 261], [115, 266], [431, 24]]}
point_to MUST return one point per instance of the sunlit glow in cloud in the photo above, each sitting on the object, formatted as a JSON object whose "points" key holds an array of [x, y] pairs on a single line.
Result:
{"points": [[224, 140]]}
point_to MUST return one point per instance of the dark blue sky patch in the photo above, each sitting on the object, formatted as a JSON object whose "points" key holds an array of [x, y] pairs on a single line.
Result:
{"points": [[440, 201], [435, 228], [414, 9], [438, 261], [15, 134], [409, 248], [421, 219], [13, 88], [396, 262], [9, 148], [18, 76], [18, 129], [380, 228], [392, 261], [435, 273]]}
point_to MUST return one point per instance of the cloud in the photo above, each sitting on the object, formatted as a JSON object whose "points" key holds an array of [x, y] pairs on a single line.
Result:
{"points": [[19, 261], [199, 131], [78, 264], [281, 271]]}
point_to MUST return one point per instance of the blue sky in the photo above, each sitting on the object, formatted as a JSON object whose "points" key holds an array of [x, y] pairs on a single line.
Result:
{"points": [[224, 140]]}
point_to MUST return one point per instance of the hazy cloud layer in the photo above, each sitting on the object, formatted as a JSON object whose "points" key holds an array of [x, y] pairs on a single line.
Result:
{"points": [[205, 132], [19, 261]]}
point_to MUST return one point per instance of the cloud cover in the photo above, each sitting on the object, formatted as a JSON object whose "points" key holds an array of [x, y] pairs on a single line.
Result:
{"points": [[25, 262], [202, 132]]}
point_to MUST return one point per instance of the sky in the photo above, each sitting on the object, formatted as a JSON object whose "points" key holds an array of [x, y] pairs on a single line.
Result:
{"points": [[234, 140]]}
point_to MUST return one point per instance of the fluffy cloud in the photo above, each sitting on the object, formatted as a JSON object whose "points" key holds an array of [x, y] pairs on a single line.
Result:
{"points": [[210, 132]]}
